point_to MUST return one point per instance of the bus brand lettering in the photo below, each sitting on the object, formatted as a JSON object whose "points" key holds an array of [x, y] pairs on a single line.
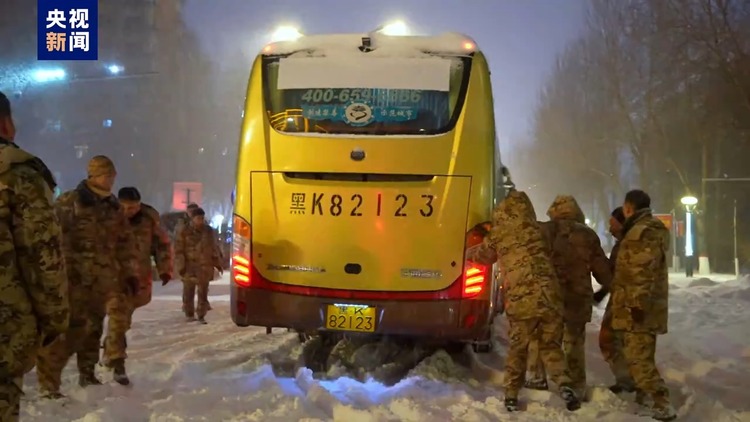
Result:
{"points": [[336, 205]]}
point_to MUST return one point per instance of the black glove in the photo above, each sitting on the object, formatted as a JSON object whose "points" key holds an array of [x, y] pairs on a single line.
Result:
{"points": [[164, 279], [638, 316], [600, 295], [132, 285]]}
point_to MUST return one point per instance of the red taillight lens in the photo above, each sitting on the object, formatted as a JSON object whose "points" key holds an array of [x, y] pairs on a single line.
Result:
{"points": [[241, 241], [475, 276]]}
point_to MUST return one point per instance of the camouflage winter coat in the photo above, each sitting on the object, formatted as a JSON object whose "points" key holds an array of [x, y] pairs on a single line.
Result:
{"points": [[640, 290], [196, 253], [151, 241], [576, 254], [33, 285], [530, 285], [98, 244], [613, 257]]}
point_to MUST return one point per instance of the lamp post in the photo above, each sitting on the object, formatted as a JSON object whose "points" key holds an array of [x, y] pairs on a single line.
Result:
{"points": [[736, 257], [689, 202]]}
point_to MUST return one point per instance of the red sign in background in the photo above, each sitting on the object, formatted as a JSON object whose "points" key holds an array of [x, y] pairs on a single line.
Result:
{"points": [[183, 193]]}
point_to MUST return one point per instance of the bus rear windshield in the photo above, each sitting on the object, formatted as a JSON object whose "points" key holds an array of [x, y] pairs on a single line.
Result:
{"points": [[373, 96]]}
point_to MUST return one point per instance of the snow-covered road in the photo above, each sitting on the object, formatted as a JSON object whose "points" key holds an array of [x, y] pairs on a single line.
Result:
{"points": [[218, 372]]}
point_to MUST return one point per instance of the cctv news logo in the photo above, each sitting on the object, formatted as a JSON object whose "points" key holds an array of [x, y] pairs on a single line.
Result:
{"points": [[67, 29]]}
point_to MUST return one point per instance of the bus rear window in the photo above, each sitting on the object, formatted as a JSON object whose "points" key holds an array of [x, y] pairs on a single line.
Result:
{"points": [[372, 96]]}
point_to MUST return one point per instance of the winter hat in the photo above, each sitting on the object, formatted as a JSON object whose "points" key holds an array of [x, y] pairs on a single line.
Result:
{"points": [[129, 194], [101, 165]]}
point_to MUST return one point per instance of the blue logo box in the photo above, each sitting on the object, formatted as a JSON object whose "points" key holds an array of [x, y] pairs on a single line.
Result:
{"points": [[68, 29]]}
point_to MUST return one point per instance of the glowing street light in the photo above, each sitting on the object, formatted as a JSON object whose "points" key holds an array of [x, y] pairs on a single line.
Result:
{"points": [[48, 75], [396, 28], [115, 69], [689, 202], [285, 33]]}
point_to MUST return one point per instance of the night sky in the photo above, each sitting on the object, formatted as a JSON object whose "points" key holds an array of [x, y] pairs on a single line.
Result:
{"points": [[520, 37]]}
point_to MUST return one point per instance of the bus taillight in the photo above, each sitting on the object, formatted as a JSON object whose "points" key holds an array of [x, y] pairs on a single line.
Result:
{"points": [[475, 276], [241, 253]]}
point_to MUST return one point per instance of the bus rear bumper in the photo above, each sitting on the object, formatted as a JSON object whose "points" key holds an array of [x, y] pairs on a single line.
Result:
{"points": [[440, 320]]}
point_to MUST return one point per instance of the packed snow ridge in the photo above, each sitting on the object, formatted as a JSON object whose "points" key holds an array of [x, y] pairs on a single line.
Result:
{"points": [[189, 372]]}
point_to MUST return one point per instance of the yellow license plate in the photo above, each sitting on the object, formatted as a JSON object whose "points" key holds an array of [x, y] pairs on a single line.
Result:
{"points": [[358, 318]]}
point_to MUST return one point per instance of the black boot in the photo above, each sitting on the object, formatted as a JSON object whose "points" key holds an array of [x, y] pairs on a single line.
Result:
{"points": [[572, 402], [118, 369], [511, 404]]}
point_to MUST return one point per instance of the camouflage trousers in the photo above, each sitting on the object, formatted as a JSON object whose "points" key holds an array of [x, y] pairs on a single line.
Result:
{"points": [[82, 339], [611, 346], [10, 399], [548, 331], [640, 354], [189, 287], [574, 349], [120, 308]]}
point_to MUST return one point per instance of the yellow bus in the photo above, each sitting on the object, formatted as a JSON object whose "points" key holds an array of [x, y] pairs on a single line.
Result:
{"points": [[365, 165]]}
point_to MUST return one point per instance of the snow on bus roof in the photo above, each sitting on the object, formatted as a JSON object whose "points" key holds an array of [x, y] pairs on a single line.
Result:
{"points": [[450, 43]]}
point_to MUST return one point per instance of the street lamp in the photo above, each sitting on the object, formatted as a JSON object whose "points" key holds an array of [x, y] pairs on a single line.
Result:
{"points": [[689, 202], [115, 69], [285, 33]]}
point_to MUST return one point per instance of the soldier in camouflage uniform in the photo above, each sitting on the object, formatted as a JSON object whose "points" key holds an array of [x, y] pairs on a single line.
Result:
{"points": [[576, 254], [610, 341], [196, 257], [100, 258], [33, 285], [181, 224], [640, 299], [151, 240], [534, 304]]}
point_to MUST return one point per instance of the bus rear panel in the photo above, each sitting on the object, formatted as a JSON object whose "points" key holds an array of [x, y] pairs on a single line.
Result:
{"points": [[360, 177]]}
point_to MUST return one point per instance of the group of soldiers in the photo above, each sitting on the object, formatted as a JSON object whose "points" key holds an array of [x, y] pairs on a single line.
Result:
{"points": [[68, 264], [546, 268]]}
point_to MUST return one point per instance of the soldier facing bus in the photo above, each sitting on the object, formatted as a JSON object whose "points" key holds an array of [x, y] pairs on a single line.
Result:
{"points": [[576, 254], [100, 259], [151, 241], [33, 283], [534, 301]]}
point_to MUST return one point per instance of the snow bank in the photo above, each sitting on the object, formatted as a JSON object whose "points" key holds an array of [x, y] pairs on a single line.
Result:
{"points": [[189, 372]]}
